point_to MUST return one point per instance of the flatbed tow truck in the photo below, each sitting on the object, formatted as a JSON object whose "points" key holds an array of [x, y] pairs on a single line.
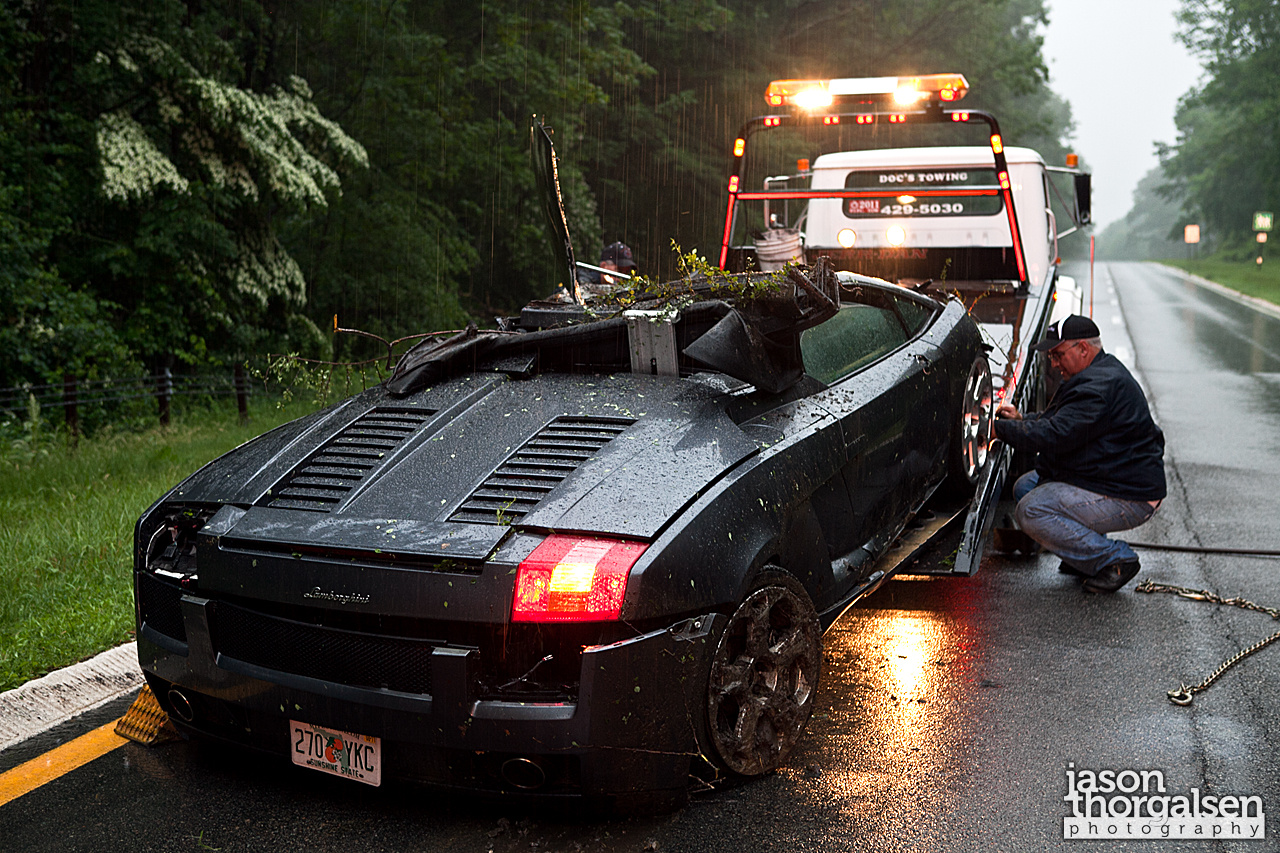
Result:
{"points": [[973, 221]]}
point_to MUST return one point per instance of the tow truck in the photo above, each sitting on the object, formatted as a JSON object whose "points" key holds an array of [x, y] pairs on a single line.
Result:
{"points": [[973, 221]]}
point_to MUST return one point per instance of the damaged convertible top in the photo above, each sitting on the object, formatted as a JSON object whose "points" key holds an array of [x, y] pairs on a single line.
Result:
{"points": [[746, 325]]}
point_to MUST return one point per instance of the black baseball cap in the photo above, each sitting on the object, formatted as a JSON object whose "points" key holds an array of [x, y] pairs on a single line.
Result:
{"points": [[1073, 328], [620, 254]]}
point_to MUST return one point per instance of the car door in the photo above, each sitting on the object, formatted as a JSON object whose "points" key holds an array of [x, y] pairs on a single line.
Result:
{"points": [[877, 382]]}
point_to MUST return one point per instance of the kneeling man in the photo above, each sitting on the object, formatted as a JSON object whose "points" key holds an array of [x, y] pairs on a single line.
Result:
{"points": [[1099, 459]]}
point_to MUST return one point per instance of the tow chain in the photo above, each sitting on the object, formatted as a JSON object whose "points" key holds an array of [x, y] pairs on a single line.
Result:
{"points": [[1184, 694]]}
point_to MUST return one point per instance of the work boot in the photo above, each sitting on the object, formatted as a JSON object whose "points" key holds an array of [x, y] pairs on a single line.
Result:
{"points": [[1112, 577]]}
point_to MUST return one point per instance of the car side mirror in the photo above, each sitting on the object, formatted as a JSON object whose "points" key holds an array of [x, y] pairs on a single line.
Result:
{"points": [[1084, 193]]}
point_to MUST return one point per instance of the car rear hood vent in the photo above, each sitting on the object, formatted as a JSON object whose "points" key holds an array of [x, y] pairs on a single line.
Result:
{"points": [[344, 461], [538, 466]]}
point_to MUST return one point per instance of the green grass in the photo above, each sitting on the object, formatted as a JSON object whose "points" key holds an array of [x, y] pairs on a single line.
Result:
{"points": [[66, 530], [1245, 276]]}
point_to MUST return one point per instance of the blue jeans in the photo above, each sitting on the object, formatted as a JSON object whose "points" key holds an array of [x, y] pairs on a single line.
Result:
{"points": [[1070, 522]]}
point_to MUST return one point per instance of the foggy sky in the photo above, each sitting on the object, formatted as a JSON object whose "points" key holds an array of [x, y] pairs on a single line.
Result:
{"points": [[1117, 63]]}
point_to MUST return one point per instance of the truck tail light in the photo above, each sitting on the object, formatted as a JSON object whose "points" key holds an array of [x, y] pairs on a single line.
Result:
{"points": [[574, 579]]}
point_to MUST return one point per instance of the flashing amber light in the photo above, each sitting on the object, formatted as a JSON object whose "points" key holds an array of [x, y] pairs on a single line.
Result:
{"points": [[819, 94], [739, 146], [959, 116], [1004, 180], [997, 144], [1073, 160], [802, 165], [865, 119], [831, 119], [574, 579], [733, 184]]}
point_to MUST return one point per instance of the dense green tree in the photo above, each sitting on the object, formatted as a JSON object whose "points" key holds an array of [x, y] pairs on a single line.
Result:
{"points": [[170, 160], [1225, 162], [206, 180]]}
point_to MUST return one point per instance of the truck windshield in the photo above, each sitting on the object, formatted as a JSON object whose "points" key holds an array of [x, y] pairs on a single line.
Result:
{"points": [[899, 185]]}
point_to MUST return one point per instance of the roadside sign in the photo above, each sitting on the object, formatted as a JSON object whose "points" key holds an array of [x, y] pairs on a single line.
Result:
{"points": [[1263, 220], [1191, 234]]}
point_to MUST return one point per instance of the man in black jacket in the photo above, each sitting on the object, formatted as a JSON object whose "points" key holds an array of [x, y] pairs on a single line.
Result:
{"points": [[1100, 459]]}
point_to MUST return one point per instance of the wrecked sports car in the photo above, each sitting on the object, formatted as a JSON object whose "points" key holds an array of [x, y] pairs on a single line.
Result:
{"points": [[583, 554]]}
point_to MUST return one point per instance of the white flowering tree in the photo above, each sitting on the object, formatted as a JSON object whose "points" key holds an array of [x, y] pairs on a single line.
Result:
{"points": [[230, 158]]}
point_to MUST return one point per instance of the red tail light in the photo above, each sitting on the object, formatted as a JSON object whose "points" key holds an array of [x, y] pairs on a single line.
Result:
{"points": [[574, 579]]}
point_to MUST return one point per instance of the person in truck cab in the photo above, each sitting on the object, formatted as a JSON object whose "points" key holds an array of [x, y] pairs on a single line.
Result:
{"points": [[615, 256], [1099, 459]]}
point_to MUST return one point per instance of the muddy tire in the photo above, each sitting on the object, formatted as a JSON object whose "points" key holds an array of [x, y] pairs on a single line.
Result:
{"points": [[762, 678]]}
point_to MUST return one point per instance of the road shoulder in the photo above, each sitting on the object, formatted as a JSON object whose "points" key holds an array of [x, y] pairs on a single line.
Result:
{"points": [[1252, 301], [51, 700]]}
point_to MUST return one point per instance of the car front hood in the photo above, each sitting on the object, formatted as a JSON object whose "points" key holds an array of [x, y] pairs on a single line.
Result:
{"points": [[449, 470]]}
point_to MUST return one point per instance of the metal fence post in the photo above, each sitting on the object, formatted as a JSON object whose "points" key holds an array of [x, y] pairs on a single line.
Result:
{"points": [[69, 407], [242, 394], [164, 392]]}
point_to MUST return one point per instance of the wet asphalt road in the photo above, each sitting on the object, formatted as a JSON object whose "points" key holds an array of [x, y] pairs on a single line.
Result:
{"points": [[949, 711]]}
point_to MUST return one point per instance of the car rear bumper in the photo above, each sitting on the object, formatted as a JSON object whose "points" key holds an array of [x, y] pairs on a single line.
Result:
{"points": [[631, 729]]}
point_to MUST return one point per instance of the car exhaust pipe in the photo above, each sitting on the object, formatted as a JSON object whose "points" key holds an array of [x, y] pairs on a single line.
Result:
{"points": [[182, 707], [523, 773]]}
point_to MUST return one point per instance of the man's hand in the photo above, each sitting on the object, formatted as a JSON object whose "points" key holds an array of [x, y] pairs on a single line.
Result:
{"points": [[1009, 412]]}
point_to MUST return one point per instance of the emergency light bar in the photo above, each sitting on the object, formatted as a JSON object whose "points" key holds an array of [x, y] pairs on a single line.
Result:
{"points": [[904, 91]]}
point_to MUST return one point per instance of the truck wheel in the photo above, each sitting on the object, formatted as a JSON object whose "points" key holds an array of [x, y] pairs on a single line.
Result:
{"points": [[971, 433], [763, 677]]}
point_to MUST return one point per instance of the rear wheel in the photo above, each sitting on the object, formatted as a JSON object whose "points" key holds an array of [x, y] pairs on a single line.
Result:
{"points": [[763, 677], [971, 433]]}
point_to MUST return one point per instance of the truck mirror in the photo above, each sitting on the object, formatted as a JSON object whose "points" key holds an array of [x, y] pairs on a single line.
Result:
{"points": [[1084, 190]]}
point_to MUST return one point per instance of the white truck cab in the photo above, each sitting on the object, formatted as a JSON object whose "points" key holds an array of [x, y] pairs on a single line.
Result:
{"points": [[900, 218]]}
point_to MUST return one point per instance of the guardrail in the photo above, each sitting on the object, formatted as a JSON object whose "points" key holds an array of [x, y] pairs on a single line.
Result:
{"points": [[73, 393]]}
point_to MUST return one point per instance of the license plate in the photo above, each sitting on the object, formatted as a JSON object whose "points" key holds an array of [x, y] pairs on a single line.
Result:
{"points": [[337, 753]]}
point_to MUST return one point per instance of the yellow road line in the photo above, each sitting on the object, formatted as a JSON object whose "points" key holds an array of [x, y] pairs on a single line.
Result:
{"points": [[45, 768]]}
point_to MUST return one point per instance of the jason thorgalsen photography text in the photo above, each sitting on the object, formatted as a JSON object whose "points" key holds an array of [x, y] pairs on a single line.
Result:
{"points": [[1136, 804]]}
